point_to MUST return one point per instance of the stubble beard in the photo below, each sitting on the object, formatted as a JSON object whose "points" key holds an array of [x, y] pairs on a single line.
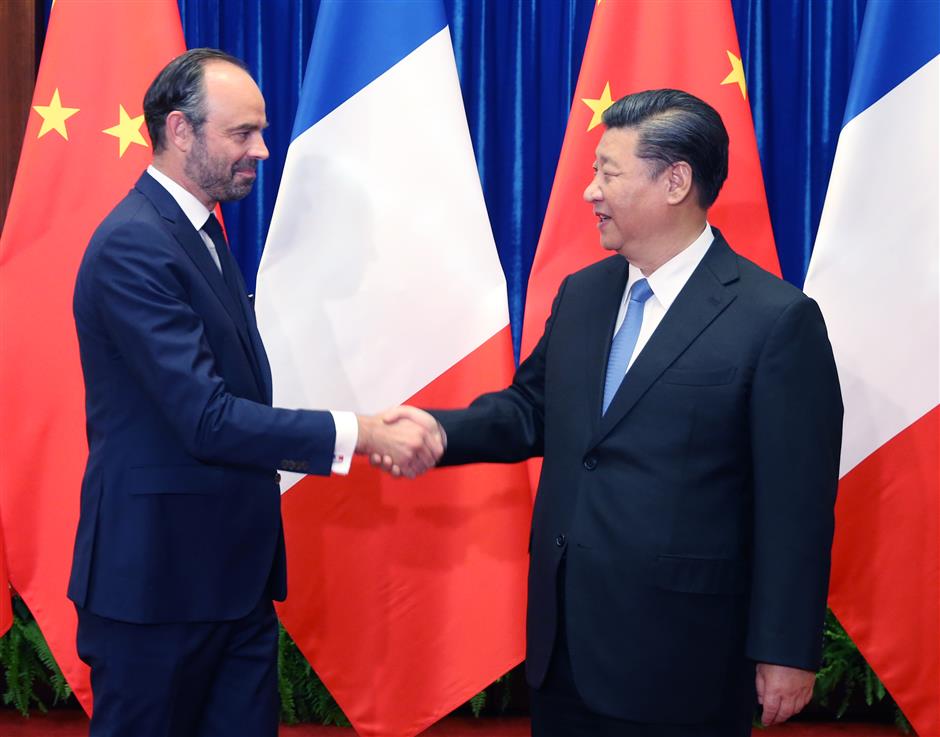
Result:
{"points": [[216, 177]]}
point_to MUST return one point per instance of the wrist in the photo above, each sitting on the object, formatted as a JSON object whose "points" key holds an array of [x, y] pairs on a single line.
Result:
{"points": [[366, 433]]}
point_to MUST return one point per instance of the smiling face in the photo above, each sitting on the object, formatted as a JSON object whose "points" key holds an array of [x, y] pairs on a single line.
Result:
{"points": [[632, 207], [223, 157]]}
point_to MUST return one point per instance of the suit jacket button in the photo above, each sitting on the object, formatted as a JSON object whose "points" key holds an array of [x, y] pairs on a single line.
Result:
{"points": [[560, 541], [590, 463], [277, 478]]}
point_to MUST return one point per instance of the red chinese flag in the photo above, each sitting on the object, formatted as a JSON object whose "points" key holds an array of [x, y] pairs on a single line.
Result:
{"points": [[634, 46], [6, 609], [85, 146]]}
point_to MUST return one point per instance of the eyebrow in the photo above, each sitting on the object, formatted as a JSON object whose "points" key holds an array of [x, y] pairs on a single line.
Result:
{"points": [[248, 127]]}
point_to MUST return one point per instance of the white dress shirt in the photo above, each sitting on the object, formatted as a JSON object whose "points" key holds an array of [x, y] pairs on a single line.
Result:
{"points": [[666, 283], [347, 426]]}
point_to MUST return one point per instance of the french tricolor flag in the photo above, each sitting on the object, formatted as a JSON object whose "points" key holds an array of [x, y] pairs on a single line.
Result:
{"points": [[380, 284], [874, 272]]}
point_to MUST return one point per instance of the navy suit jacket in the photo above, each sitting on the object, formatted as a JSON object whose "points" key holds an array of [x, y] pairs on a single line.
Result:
{"points": [[696, 515], [180, 506]]}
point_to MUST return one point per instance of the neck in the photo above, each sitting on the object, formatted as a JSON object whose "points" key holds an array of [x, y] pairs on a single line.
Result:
{"points": [[663, 246], [175, 171]]}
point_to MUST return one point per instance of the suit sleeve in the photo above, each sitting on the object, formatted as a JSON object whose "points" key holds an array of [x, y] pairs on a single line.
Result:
{"points": [[796, 435], [142, 302], [507, 426]]}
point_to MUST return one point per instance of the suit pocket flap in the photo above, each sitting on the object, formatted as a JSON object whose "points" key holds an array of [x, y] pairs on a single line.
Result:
{"points": [[698, 575], [174, 480], [696, 377]]}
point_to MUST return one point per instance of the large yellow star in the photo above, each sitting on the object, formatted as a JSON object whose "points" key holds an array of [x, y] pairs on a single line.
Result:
{"points": [[127, 131], [737, 74], [54, 116], [598, 106]]}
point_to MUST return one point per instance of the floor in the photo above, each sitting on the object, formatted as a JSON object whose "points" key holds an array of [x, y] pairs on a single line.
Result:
{"points": [[72, 723]]}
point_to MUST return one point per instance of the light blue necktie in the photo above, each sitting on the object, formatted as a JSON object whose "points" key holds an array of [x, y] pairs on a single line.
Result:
{"points": [[621, 348]]}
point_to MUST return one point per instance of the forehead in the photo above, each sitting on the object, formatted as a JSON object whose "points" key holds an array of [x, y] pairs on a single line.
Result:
{"points": [[617, 144], [232, 93]]}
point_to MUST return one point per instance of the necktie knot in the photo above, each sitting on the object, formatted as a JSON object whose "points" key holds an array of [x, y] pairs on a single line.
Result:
{"points": [[213, 229], [640, 291]]}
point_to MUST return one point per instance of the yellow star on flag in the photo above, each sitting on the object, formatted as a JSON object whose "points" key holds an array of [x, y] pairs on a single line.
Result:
{"points": [[54, 116], [127, 130], [737, 74], [598, 106]]}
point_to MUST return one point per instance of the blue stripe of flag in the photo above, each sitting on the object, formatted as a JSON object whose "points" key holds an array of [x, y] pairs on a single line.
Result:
{"points": [[898, 37], [354, 43]]}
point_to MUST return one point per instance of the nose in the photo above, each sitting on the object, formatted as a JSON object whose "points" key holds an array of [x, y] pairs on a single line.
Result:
{"points": [[258, 150], [592, 193]]}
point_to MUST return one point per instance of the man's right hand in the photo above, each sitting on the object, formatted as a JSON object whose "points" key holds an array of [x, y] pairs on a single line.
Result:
{"points": [[404, 441]]}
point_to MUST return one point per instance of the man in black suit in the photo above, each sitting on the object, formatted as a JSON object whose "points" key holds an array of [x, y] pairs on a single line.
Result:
{"points": [[688, 410], [180, 547]]}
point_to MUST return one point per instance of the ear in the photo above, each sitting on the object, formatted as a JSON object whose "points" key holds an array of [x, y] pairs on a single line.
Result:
{"points": [[678, 182], [179, 132]]}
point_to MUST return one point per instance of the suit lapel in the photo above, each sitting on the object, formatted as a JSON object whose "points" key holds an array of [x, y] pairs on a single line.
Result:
{"points": [[702, 299], [194, 247]]}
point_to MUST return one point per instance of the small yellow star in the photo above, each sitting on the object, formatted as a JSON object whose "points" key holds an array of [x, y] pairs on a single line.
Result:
{"points": [[598, 106], [127, 130], [54, 116], [737, 74]]}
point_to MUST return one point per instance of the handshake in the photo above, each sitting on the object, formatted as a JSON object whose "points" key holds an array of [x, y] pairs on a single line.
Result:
{"points": [[405, 441]]}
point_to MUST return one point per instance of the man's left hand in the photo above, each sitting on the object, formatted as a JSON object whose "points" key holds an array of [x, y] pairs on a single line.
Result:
{"points": [[782, 691]]}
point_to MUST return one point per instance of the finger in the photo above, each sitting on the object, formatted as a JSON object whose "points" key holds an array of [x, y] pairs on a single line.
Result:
{"points": [[404, 412], [771, 708], [436, 444], [787, 709], [760, 683]]}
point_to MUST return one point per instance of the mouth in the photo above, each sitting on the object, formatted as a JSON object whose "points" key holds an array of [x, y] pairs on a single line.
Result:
{"points": [[246, 168], [602, 219]]}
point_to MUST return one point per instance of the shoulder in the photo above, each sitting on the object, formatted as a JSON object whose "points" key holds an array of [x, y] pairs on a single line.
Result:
{"points": [[761, 290], [612, 267], [133, 227], [774, 303]]}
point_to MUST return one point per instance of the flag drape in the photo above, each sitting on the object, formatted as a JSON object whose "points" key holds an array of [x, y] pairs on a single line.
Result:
{"points": [[6, 606], [875, 272], [635, 46], [85, 145], [380, 283]]}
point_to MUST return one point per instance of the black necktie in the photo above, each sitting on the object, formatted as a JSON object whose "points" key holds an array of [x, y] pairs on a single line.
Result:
{"points": [[213, 229]]}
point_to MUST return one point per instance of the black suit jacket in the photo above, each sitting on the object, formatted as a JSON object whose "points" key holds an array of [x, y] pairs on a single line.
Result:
{"points": [[696, 516], [180, 508]]}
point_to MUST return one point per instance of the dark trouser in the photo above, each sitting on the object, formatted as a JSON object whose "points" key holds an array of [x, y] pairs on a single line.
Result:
{"points": [[192, 679], [558, 710]]}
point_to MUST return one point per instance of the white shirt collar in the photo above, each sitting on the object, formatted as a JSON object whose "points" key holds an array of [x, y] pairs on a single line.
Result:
{"points": [[194, 210], [667, 281]]}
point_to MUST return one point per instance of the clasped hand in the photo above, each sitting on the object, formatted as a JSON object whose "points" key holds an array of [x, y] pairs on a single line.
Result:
{"points": [[405, 441]]}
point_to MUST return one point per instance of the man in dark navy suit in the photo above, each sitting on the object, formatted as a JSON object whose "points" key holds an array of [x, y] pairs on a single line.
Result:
{"points": [[180, 548], [688, 410]]}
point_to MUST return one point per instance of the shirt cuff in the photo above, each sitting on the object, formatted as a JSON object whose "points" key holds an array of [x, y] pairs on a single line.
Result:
{"points": [[347, 435]]}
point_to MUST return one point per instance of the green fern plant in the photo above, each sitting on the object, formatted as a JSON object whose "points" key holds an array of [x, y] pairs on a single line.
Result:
{"points": [[304, 698], [844, 673], [27, 662], [31, 679]]}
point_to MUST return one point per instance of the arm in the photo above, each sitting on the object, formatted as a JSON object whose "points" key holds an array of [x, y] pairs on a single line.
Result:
{"points": [[796, 432], [139, 295], [507, 426]]}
